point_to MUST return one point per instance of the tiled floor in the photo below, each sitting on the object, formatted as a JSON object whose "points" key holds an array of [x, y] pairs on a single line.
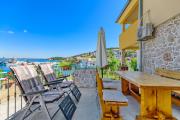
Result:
{"points": [[88, 109]]}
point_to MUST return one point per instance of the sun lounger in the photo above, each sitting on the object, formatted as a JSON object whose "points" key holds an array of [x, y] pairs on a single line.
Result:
{"points": [[49, 75], [35, 93]]}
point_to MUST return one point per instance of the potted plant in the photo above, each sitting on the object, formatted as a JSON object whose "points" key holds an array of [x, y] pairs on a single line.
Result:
{"points": [[66, 65]]}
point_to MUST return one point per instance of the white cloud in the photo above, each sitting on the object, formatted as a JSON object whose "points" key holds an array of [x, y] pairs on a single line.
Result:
{"points": [[25, 31], [10, 32], [7, 31]]}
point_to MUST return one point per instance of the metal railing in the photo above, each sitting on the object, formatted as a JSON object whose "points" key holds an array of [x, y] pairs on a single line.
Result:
{"points": [[10, 99]]}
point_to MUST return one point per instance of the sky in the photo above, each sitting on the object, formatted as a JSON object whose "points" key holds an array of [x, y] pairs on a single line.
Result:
{"points": [[48, 28]]}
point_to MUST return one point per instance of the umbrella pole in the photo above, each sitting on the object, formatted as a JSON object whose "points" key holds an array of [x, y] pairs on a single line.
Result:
{"points": [[102, 72]]}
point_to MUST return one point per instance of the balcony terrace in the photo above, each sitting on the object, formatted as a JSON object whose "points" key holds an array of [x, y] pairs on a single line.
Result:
{"points": [[88, 108], [128, 38]]}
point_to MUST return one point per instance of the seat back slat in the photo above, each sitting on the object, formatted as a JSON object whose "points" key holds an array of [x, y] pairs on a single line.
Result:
{"points": [[67, 107], [76, 93]]}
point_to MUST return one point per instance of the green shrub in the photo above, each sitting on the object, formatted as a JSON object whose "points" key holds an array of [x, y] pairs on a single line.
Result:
{"points": [[133, 64], [1, 75], [65, 63], [113, 62]]}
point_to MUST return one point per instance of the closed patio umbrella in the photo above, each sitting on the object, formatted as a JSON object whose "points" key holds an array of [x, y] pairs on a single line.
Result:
{"points": [[101, 54]]}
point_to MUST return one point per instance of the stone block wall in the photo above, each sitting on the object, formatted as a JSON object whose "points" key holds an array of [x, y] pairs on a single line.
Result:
{"points": [[85, 78], [164, 49]]}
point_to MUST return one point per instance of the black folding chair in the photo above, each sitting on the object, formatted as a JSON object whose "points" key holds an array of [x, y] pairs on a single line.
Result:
{"points": [[49, 75], [34, 92]]}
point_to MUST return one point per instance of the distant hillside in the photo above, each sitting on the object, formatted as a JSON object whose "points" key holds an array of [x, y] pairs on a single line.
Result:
{"points": [[57, 58], [93, 53], [83, 55]]}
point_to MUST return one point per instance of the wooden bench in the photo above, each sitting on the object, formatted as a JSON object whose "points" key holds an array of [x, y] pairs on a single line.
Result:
{"points": [[174, 75], [109, 84], [111, 101], [114, 96]]}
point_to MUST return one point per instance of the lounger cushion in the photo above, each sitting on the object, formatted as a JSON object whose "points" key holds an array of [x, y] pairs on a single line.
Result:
{"points": [[50, 76], [48, 72], [24, 79], [114, 96], [110, 85], [64, 85], [48, 98], [30, 81], [38, 88], [107, 79], [36, 80]]}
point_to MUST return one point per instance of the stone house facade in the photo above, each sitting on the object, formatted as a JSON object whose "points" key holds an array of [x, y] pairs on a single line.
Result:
{"points": [[163, 51]]}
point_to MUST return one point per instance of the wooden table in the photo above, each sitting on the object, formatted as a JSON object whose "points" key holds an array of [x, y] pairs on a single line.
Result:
{"points": [[155, 98]]}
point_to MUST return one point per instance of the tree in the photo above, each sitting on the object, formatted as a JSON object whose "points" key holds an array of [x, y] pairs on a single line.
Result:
{"points": [[113, 62], [1, 73], [133, 64]]}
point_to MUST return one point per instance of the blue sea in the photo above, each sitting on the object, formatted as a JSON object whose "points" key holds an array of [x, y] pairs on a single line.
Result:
{"points": [[6, 69], [36, 60]]}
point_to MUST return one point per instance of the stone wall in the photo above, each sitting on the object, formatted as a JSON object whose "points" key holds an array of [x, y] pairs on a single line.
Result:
{"points": [[164, 50], [85, 78]]}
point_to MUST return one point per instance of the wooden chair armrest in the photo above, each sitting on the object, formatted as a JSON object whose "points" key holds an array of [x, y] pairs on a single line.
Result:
{"points": [[57, 80], [34, 93], [52, 83], [65, 76]]}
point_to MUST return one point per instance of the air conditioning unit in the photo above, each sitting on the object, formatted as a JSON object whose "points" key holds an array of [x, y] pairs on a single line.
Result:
{"points": [[145, 32]]}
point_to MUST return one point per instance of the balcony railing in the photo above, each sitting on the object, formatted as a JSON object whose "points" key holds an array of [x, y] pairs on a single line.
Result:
{"points": [[11, 100], [128, 38]]}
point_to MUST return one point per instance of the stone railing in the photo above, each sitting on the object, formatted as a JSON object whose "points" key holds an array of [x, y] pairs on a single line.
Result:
{"points": [[85, 78]]}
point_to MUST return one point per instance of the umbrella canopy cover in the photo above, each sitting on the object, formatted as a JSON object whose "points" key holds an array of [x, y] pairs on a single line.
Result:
{"points": [[101, 54]]}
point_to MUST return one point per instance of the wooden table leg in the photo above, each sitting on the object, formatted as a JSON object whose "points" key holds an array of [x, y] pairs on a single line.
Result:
{"points": [[155, 104], [164, 104], [148, 102], [125, 86]]}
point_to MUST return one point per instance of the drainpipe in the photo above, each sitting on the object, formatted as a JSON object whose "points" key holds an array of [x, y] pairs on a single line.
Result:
{"points": [[140, 23]]}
